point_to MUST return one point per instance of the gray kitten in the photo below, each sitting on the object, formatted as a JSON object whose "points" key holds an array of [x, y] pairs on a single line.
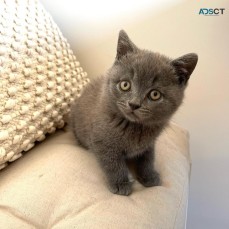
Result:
{"points": [[120, 115]]}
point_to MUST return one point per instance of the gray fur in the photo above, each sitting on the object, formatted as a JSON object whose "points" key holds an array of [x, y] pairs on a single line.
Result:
{"points": [[104, 122]]}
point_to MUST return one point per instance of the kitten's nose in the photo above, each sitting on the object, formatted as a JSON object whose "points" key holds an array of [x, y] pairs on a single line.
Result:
{"points": [[134, 106]]}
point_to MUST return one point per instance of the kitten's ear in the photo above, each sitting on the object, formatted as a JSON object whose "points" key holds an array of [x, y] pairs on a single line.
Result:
{"points": [[125, 45], [184, 66]]}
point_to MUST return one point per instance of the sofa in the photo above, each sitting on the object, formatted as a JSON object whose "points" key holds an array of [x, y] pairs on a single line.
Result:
{"points": [[46, 179]]}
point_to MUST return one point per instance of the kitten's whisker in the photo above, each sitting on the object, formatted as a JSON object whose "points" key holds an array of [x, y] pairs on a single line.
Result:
{"points": [[145, 112], [121, 104]]}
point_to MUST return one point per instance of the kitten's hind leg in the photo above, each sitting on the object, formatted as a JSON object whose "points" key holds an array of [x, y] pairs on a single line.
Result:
{"points": [[144, 169], [116, 171]]}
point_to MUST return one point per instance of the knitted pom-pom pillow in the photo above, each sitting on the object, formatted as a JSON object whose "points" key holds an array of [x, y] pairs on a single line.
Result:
{"points": [[39, 76]]}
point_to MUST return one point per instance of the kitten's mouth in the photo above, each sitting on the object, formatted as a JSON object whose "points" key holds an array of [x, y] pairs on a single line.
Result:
{"points": [[132, 113], [129, 114], [132, 116]]}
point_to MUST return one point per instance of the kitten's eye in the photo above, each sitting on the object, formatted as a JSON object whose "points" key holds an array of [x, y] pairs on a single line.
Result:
{"points": [[124, 85], [155, 95]]}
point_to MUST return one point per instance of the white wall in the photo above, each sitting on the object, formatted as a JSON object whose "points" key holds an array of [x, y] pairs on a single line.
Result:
{"points": [[173, 28]]}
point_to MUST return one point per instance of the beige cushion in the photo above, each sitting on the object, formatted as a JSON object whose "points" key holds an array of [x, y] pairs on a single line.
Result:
{"points": [[60, 185], [39, 75]]}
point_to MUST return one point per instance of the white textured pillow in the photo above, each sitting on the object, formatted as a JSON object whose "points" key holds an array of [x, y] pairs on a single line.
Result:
{"points": [[39, 76]]}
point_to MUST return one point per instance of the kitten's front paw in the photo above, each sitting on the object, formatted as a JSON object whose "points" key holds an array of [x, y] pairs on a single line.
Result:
{"points": [[150, 179], [121, 188]]}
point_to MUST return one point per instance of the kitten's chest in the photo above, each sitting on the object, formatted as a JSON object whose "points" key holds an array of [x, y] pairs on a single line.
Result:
{"points": [[134, 146], [135, 139]]}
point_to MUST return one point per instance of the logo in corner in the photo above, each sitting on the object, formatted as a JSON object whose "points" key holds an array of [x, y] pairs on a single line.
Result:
{"points": [[211, 11]]}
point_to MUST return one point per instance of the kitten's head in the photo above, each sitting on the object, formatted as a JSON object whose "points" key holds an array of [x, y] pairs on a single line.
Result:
{"points": [[144, 86]]}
